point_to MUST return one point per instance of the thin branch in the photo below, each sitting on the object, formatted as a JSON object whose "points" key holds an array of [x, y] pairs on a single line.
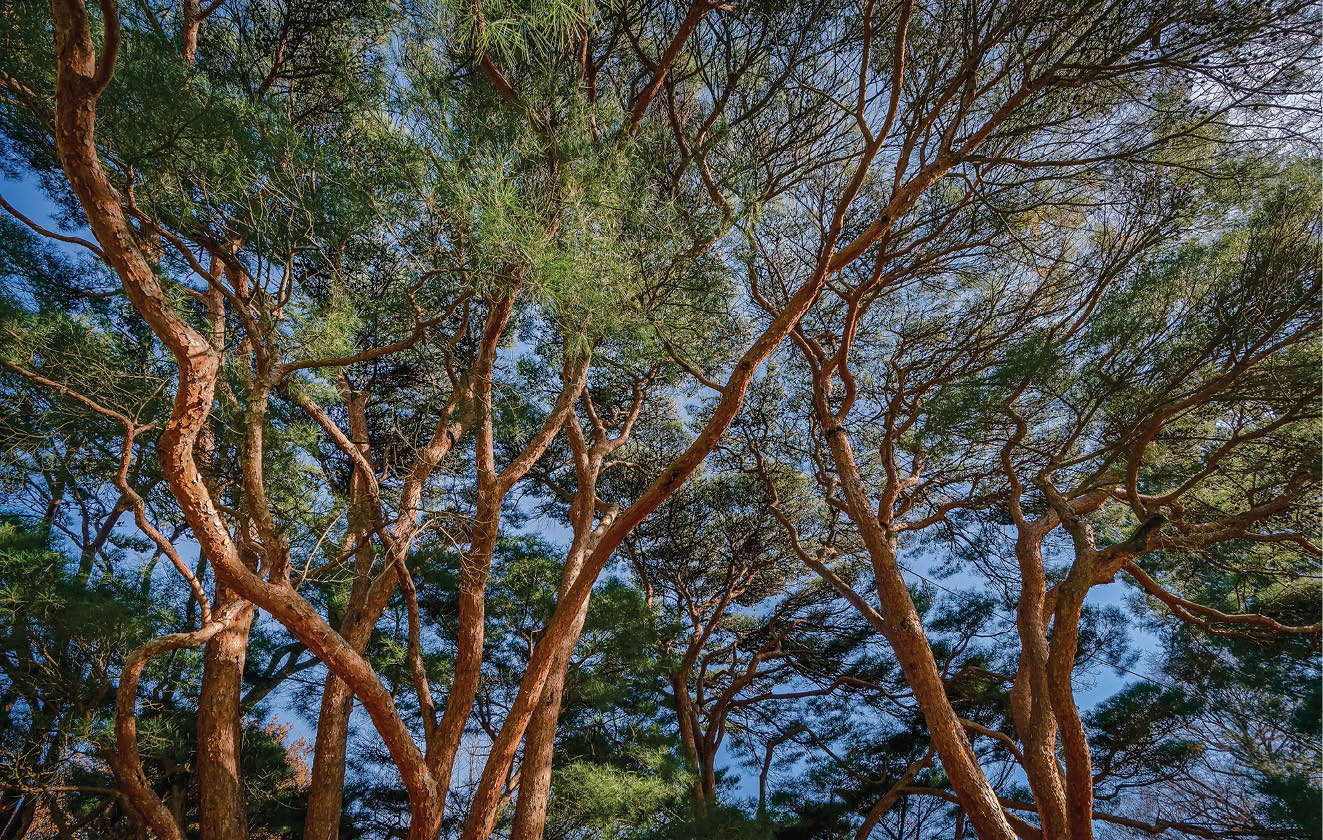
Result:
{"points": [[1185, 609], [50, 234]]}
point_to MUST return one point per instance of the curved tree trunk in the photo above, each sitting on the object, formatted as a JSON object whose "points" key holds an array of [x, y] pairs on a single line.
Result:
{"points": [[540, 738], [81, 77], [1031, 705], [369, 596], [482, 815]]}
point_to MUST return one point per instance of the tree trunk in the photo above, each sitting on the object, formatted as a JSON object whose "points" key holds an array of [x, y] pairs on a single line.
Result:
{"points": [[327, 782], [326, 787], [1074, 741], [1031, 706], [530, 818], [482, 814], [539, 749], [221, 811], [903, 628], [80, 78], [222, 814], [477, 563], [687, 721]]}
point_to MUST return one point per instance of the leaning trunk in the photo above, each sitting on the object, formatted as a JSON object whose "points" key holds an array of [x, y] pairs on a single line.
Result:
{"points": [[904, 631], [539, 748]]}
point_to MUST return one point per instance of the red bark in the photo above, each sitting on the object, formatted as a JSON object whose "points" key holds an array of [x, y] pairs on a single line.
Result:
{"points": [[540, 742], [80, 78], [221, 811]]}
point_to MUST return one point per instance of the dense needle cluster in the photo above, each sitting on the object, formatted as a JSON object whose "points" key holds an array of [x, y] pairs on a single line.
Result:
{"points": [[659, 419]]}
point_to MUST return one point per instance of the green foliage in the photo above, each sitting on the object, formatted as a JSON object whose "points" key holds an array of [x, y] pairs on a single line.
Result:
{"points": [[66, 622], [619, 803], [335, 180], [1131, 733]]}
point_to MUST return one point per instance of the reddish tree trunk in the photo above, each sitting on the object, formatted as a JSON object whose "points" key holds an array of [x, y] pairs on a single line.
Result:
{"points": [[80, 79], [903, 628], [1031, 705], [221, 811], [540, 739], [326, 786], [539, 751]]}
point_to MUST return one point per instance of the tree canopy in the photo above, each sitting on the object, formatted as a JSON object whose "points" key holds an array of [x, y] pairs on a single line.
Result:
{"points": [[571, 419]]}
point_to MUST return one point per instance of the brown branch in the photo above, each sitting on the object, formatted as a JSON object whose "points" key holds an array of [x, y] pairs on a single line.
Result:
{"points": [[50, 234], [139, 507], [109, 46], [1155, 828], [1185, 609], [126, 761], [893, 794], [420, 327], [695, 16], [1000, 737]]}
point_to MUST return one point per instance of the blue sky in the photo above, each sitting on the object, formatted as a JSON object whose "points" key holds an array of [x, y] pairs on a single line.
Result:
{"points": [[27, 197]]}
